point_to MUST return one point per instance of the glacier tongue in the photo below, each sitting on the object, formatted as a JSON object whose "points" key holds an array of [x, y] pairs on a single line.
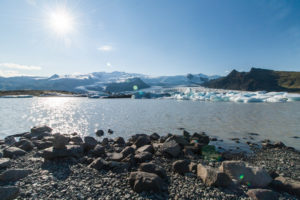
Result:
{"points": [[217, 95]]}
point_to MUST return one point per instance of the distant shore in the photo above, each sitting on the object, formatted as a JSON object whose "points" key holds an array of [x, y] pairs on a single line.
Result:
{"points": [[43, 165]]}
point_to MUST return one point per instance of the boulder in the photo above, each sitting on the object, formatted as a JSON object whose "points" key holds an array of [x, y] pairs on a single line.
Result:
{"points": [[144, 181], [179, 139], [146, 148], [10, 140], [9, 192], [14, 174], [143, 157], [153, 168], [99, 150], [104, 141], [142, 140], [98, 164], [262, 194], [115, 156], [200, 138], [213, 177], [171, 148], [11, 152], [110, 131], [119, 141], [4, 163], [154, 136], [89, 143], [70, 151], [76, 140], [60, 141], [181, 166], [285, 184], [42, 144], [193, 167], [40, 131], [116, 166], [245, 174], [99, 133], [127, 151], [25, 145]]}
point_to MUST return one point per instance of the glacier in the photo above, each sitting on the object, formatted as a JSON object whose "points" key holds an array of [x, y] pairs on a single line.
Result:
{"points": [[216, 95]]}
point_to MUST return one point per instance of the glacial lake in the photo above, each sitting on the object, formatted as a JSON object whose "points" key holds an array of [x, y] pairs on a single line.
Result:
{"points": [[224, 120]]}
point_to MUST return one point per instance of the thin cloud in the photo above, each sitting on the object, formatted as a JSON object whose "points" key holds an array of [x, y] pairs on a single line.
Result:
{"points": [[105, 48], [10, 73], [18, 66]]}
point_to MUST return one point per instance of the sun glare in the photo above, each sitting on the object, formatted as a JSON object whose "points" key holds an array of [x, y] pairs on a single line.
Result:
{"points": [[61, 21]]}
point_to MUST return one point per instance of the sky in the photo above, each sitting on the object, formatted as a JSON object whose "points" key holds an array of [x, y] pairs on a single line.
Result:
{"points": [[153, 37]]}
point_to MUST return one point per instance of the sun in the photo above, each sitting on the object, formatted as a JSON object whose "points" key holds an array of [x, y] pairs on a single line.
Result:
{"points": [[61, 21]]}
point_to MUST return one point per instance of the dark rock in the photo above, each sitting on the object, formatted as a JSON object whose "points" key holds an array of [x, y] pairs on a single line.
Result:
{"points": [[42, 144], [9, 192], [25, 145], [11, 152], [262, 194], [70, 151], [193, 167], [14, 174], [76, 140], [60, 141], [153, 168], [117, 167], [99, 133], [141, 141], [279, 145], [213, 139], [143, 157], [104, 141], [4, 163], [98, 164], [286, 184], [178, 139], [40, 131], [146, 148], [181, 166], [200, 138], [110, 131], [127, 151], [213, 177], [171, 148], [154, 136], [144, 181], [98, 150], [120, 141], [9, 140], [186, 134], [89, 143]]}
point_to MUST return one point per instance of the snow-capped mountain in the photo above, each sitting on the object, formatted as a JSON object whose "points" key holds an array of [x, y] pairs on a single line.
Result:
{"points": [[99, 81]]}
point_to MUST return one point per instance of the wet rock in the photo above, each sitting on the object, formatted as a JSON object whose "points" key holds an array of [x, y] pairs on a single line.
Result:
{"points": [[153, 168], [99, 150], [154, 136], [143, 157], [171, 148], [99, 133], [76, 140], [110, 131], [141, 141], [9, 140], [60, 141], [70, 151], [127, 151], [89, 143], [40, 131], [98, 164], [286, 184], [245, 174], [186, 134], [11, 152], [262, 194], [200, 138], [179, 139], [279, 145], [120, 141], [213, 177], [181, 166], [14, 174], [104, 141], [25, 145], [42, 144], [146, 148], [9, 192], [144, 181], [4, 163]]}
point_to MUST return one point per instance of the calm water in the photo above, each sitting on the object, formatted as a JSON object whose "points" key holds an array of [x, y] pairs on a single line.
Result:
{"points": [[276, 121]]}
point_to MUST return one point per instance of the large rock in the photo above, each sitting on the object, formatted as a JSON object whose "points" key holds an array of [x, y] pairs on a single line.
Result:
{"points": [[11, 152], [14, 174], [25, 145], [127, 151], [119, 141], [70, 151], [60, 141], [76, 140], [153, 168], [143, 157], [99, 150], [171, 148], [245, 174], [115, 156], [98, 164], [142, 140], [285, 184], [144, 181], [89, 143], [40, 131], [146, 148], [4, 162], [181, 166], [213, 177], [10, 140], [200, 138], [179, 139], [9, 192], [99, 133], [42, 144], [154, 136], [262, 194]]}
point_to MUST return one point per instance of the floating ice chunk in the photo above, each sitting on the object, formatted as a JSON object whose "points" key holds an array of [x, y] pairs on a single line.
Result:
{"points": [[293, 97]]}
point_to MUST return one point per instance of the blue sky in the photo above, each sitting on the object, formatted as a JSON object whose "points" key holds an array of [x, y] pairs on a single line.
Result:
{"points": [[152, 37]]}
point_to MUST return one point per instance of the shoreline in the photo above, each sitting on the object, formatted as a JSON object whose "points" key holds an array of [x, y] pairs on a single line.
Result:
{"points": [[44, 165]]}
